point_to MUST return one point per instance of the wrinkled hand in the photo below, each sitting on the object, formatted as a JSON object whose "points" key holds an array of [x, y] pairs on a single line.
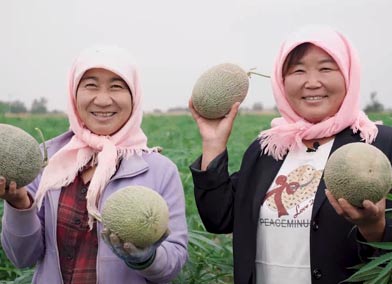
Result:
{"points": [[127, 251], [17, 197], [370, 219]]}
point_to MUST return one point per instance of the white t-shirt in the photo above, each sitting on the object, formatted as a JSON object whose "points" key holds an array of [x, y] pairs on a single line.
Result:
{"points": [[283, 246]]}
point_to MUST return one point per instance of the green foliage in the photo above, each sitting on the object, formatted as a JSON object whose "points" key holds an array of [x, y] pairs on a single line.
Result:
{"points": [[51, 126], [210, 256], [374, 106], [39, 105], [17, 107], [7, 270], [25, 277], [4, 107], [385, 118], [378, 270]]}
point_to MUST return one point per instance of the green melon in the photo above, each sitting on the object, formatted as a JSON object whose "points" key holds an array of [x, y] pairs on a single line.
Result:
{"points": [[20, 155], [136, 214], [217, 89], [358, 171]]}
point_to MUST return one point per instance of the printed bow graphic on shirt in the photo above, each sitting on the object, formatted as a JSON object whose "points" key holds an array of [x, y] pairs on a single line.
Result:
{"points": [[277, 192], [291, 190]]}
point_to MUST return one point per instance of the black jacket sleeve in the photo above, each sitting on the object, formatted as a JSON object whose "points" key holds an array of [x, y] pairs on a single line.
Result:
{"points": [[214, 194]]}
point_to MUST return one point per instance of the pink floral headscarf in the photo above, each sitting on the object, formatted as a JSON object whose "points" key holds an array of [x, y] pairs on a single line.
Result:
{"points": [[84, 146], [288, 131]]}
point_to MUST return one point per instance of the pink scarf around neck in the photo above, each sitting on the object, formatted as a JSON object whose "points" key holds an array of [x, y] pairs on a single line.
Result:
{"points": [[288, 131], [85, 146]]}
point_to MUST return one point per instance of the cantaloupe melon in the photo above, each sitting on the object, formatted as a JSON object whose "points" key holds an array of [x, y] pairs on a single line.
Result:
{"points": [[20, 156], [218, 88], [136, 214], [358, 172]]}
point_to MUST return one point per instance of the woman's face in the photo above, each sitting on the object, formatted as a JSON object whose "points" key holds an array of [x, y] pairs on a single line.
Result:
{"points": [[103, 101], [314, 85]]}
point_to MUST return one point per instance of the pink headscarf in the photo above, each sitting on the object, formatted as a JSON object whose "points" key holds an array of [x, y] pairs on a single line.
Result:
{"points": [[288, 131], [84, 146]]}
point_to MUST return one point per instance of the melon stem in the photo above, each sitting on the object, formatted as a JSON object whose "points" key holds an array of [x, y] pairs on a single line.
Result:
{"points": [[249, 73], [45, 161]]}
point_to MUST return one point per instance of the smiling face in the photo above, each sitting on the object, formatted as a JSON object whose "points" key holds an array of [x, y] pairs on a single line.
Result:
{"points": [[103, 101], [314, 86]]}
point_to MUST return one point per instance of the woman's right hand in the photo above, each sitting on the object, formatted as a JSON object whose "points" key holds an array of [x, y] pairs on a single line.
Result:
{"points": [[17, 197], [214, 132]]}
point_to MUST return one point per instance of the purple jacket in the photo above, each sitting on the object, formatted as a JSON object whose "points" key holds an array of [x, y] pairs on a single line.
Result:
{"points": [[29, 237]]}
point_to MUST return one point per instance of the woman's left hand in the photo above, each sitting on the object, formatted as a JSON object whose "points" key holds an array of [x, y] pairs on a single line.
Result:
{"points": [[133, 256], [370, 219]]}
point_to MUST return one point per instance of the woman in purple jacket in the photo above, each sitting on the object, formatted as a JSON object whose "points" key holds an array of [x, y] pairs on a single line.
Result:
{"points": [[51, 223]]}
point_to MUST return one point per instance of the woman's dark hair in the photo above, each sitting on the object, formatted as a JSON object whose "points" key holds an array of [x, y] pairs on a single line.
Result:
{"points": [[294, 56]]}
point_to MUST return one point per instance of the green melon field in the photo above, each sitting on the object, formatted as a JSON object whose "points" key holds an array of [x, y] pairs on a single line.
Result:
{"points": [[210, 256]]}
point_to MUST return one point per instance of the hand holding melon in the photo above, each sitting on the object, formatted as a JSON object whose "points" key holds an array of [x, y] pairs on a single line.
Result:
{"points": [[358, 172], [17, 197], [136, 214], [135, 257], [20, 156], [20, 163], [135, 220]]}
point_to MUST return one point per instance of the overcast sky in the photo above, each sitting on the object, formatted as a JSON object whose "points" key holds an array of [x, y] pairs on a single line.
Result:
{"points": [[174, 41]]}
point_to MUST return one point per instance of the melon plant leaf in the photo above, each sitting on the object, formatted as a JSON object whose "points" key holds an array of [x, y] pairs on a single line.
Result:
{"points": [[360, 276], [376, 262], [370, 267], [198, 244], [197, 237], [198, 240], [358, 266], [384, 275], [26, 278], [379, 245], [383, 281]]}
